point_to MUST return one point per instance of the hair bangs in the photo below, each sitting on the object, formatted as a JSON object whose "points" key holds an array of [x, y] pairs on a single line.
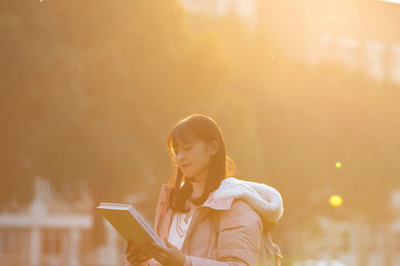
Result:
{"points": [[180, 133]]}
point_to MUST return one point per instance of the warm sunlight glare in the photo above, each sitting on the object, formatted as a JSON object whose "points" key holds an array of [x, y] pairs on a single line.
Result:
{"points": [[338, 165], [391, 1], [335, 200]]}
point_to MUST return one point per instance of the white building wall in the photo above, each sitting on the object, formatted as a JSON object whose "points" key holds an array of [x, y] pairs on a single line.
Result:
{"points": [[348, 49], [38, 237], [246, 10], [375, 59], [378, 59], [395, 63]]}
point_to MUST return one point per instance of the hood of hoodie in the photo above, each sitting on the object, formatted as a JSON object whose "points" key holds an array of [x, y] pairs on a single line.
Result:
{"points": [[265, 200]]}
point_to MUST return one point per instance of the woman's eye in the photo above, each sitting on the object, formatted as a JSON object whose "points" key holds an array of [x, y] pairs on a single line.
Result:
{"points": [[184, 148]]}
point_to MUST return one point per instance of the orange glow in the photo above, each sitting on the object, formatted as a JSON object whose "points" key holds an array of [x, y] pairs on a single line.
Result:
{"points": [[391, 1], [301, 89]]}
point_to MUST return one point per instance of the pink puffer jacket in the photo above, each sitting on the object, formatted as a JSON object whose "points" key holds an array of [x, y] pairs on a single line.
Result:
{"points": [[230, 228]]}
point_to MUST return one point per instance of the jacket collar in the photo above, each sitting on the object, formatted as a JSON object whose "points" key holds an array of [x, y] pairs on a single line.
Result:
{"points": [[218, 204], [212, 202]]}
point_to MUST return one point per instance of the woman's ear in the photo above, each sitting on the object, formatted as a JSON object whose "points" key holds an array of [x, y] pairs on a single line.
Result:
{"points": [[214, 147]]}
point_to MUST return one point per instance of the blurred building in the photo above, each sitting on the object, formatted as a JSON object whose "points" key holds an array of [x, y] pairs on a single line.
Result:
{"points": [[351, 242], [53, 232], [246, 10], [362, 34]]}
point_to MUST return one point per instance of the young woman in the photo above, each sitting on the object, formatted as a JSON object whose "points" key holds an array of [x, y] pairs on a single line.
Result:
{"points": [[205, 216]]}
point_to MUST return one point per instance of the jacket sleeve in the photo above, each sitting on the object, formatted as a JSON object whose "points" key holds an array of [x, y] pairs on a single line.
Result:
{"points": [[161, 206], [239, 238]]}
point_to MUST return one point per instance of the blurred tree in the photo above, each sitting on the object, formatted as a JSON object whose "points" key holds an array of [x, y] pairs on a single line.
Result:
{"points": [[90, 91], [309, 117]]}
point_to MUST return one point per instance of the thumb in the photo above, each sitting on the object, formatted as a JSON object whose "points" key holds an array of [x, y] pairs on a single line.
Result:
{"points": [[169, 245], [128, 246]]}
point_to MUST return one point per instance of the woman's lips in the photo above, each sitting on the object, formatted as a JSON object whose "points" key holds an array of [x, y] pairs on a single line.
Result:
{"points": [[183, 166]]}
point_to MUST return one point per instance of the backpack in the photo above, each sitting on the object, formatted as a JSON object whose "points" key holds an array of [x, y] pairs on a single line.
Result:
{"points": [[270, 252]]}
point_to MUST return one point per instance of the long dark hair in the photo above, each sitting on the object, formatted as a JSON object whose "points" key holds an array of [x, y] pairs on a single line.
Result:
{"points": [[219, 168]]}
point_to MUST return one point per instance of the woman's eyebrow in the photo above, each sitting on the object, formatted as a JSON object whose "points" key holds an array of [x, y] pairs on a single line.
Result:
{"points": [[184, 143]]}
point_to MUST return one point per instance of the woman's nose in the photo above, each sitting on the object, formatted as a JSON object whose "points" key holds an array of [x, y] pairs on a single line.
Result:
{"points": [[180, 156]]}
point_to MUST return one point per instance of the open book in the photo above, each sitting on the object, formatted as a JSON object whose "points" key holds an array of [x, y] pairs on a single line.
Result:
{"points": [[129, 223]]}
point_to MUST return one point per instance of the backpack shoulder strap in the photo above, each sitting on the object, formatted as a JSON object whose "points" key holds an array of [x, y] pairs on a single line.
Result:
{"points": [[271, 253]]}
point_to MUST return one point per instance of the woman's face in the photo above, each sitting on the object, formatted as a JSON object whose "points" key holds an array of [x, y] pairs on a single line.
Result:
{"points": [[193, 157]]}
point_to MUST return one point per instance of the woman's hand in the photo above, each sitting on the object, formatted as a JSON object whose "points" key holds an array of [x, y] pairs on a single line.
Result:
{"points": [[166, 256], [135, 256]]}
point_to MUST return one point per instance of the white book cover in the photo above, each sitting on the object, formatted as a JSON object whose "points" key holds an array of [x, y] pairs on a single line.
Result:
{"points": [[129, 223]]}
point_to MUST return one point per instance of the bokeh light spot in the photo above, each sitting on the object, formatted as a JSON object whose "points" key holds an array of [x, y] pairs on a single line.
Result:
{"points": [[335, 200], [338, 165]]}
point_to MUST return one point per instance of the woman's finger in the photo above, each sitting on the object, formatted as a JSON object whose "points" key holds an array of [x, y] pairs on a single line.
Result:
{"points": [[169, 245], [153, 252], [137, 263], [136, 253], [137, 259], [129, 246], [155, 246], [163, 258], [160, 254]]}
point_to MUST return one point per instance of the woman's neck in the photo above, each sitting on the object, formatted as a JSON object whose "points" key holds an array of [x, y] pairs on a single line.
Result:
{"points": [[198, 188], [198, 183]]}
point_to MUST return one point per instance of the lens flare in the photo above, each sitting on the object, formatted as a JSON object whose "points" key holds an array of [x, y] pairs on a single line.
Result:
{"points": [[335, 200]]}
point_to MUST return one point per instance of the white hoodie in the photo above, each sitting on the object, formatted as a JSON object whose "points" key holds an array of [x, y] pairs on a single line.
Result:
{"points": [[265, 200]]}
